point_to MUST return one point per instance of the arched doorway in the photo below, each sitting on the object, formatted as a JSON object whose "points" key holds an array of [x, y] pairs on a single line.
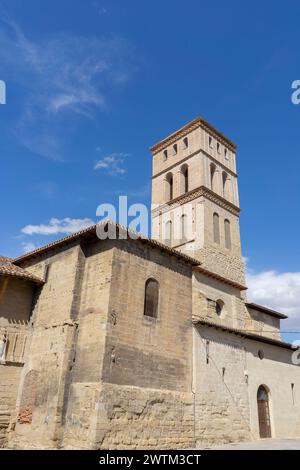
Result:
{"points": [[263, 412]]}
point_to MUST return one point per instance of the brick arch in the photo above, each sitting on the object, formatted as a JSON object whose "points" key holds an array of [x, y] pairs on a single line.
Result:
{"points": [[28, 397]]}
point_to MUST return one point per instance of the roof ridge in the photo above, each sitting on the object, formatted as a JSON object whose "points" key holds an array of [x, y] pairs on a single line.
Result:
{"points": [[93, 228]]}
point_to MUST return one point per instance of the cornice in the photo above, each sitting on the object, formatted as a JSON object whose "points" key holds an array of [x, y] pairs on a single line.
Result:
{"points": [[217, 162], [195, 193], [268, 311], [179, 162], [222, 279], [244, 333], [192, 125], [183, 160]]}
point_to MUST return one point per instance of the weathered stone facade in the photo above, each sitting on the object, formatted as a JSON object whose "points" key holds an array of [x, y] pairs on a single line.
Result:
{"points": [[82, 363]]}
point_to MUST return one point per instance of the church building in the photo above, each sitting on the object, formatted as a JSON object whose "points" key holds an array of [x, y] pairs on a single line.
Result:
{"points": [[147, 343]]}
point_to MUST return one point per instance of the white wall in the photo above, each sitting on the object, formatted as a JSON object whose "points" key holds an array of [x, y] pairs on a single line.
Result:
{"points": [[226, 401]]}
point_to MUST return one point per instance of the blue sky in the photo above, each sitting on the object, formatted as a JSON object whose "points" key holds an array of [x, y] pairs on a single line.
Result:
{"points": [[103, 80]]}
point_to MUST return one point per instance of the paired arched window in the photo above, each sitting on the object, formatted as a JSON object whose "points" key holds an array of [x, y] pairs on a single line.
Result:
{"points": [[168, 232], [183, 227], [216, 231], [169, 188], [151, 298], [216, 224], [227, 234]]}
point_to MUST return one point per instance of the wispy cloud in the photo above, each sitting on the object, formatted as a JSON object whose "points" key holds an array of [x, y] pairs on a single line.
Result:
{"points": [[101, 10], [28, 246], [113, 164], [58, 226], [57, 75], [280, 291]]}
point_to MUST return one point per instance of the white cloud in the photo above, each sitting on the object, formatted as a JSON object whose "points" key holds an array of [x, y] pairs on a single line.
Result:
{"points": [[113, 164], [28, 246], [56, 226], [101, 10], [280, 291], [60, 74]]}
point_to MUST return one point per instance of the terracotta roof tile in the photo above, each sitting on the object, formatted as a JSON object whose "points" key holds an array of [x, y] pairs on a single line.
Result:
{"points": [[92, 231], [8, 268]]}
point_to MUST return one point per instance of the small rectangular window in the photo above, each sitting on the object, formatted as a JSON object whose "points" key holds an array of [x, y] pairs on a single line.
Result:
{"points": [[165, 155], [174, 149], [210, 142], [185, 143], [226, 153], [218, 147]]}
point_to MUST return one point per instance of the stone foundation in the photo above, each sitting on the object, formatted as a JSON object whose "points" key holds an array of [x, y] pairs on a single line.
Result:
{"points": [[129, 418]]}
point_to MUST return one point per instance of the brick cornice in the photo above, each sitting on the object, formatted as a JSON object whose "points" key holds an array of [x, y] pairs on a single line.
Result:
{"points": [[192, 125], [195, 193]]}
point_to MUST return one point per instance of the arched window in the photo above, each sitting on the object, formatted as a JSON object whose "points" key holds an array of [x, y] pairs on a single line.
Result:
{"points": [[216, 223], [262, 394], [213, 178], [184, 179], [185, 143], [151, 298], [226, 186], [168, 232], [183, 226], [169, 183], [220, 307], [227, 234]]}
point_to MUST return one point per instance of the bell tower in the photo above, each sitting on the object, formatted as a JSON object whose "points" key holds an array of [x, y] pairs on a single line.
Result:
{"points": [[195, 202]]}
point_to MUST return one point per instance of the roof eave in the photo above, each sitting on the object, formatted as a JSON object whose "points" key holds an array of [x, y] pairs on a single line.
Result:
{"points": [[245, 334], [268, 311], [92, 231], [197, 122]]}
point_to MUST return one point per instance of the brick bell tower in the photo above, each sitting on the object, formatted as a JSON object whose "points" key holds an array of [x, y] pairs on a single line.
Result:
{"points": [[195, 203]]}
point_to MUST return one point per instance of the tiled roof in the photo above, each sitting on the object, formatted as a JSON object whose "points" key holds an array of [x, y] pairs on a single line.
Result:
{"points": [[91, 231], [245, 334], [267, 310], [8, 268]]}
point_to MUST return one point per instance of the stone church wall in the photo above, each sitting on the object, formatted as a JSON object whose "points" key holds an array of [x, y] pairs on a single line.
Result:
{"points": [[277, 373], [142, 394], [144, 418], [15, 308], [40, 401], [221, 396], [206, 291], [228, 370]]}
